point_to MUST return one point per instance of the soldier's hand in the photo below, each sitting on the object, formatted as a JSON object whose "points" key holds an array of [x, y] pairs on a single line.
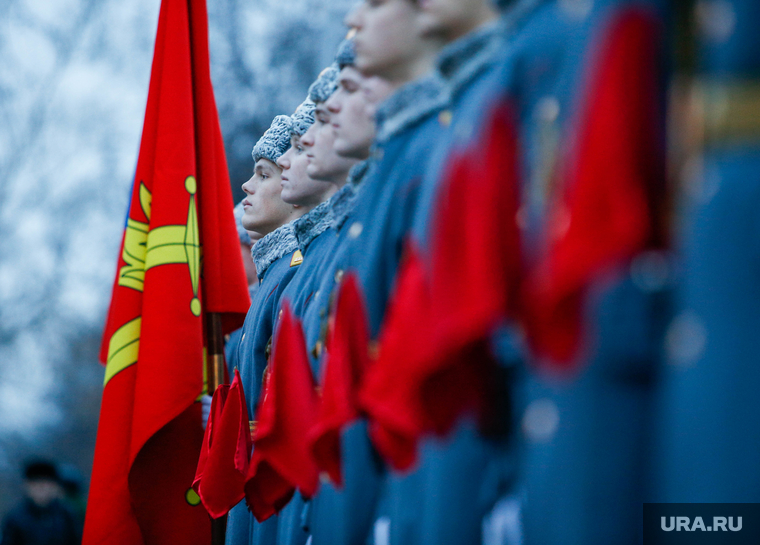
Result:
{"points": [[205, 409]]}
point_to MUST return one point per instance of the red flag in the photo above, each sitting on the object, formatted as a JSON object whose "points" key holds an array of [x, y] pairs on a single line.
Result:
{"points": [[476, 271], [440, 345], [434, 363], [396, 416], [281, 460], [476, 262], [150, 434], [607, 212], [223, 465], [214, 421], [347, 359]]}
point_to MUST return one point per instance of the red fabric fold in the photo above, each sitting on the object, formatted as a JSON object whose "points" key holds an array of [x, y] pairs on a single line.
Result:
{"points": [[281, 460], [220, 478], [607, 212], [347, 360]]}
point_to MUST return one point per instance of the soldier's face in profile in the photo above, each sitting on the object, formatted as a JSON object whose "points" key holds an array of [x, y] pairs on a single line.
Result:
{"points": [[263, 208], [297, 186], [324, 163], [350, 113], [451, 19], [387, 35]]}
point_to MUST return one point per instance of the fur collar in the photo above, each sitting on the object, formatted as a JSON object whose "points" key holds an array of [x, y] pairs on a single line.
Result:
{"points": [[343, 201], [311, 225], [410, 104], [272, 247], [357, 173], [468, 57]]}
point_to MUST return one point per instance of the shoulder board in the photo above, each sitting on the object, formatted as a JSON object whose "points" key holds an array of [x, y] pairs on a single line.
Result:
{"points": [[297, 258]]}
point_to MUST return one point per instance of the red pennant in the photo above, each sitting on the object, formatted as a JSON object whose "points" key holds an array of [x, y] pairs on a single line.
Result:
{"points": [[347, 359], [220, 478], [281, 460], [150, 433], [607, 212]]}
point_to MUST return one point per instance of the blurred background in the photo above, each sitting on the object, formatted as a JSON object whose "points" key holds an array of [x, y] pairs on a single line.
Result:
{"points": [[73, 84]]}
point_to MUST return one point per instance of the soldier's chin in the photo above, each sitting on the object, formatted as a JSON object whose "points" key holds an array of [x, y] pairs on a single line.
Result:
{"points": [[288, 196], [349, 150], [250, 222], [367, 65], [341, 147]]}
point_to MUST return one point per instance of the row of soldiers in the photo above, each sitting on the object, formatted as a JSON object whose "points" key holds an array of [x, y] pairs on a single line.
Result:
{"points": [[510, 249]]}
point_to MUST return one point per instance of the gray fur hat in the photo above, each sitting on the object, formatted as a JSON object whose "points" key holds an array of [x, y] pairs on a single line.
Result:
{"points": [[346, 55], [242, 233], [274, 142], [302, 118], [325, 84]]}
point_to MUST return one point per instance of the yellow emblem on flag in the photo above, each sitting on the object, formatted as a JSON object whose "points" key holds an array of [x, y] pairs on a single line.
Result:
{"points": [[123, 348], [297, 258], [145, 248], [192, 497]]}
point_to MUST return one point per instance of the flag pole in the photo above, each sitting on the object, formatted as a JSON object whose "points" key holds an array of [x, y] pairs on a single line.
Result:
{"points": [[215, 351], [215, 377]]}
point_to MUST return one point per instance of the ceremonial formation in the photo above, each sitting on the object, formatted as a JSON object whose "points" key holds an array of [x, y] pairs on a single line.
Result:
{"points": [[503, 288]]}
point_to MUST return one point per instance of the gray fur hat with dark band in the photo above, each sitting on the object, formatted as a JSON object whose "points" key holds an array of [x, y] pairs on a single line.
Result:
{"points": [[242, 233], [274, 142], [325, 85], [302, 118], [346, 55]]}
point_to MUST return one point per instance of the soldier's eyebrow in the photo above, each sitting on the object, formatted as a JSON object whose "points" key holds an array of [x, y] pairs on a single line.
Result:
{"points": [[264, 168], [321, 111], [349, 83]]}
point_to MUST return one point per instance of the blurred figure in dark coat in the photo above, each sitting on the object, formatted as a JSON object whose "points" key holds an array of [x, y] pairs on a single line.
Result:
{"points": [[41, 518]]}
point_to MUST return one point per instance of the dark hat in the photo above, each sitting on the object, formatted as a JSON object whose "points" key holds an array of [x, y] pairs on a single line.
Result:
{"points": [[346, 55], [274, 142], [39, 470]]}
